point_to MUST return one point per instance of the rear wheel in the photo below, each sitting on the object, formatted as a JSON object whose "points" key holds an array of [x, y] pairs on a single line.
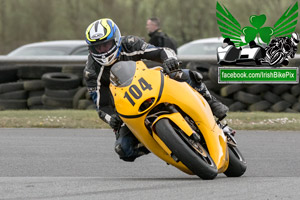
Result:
{"points": [[237, 164], [190, 152]]}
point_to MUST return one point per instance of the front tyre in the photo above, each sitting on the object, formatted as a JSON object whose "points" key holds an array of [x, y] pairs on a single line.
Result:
{"points": [[237, 164], [196, 159], [276, 58]]}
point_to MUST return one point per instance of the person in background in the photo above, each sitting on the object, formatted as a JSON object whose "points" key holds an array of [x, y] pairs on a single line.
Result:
{"points": [[157, 37]]}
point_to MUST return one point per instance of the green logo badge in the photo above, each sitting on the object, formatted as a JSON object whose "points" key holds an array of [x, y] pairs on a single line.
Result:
{"points": [[231, 28]]}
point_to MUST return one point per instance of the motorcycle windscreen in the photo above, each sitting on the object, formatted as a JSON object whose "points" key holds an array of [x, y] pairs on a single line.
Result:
{"points": [[122, 73]]}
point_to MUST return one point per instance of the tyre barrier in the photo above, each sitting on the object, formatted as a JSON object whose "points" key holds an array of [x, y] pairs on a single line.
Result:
{"points": [[61, 81], [13, 104], [8, 74], [80, 94], [19, 94], [55, 102], [64, 91], [34, 85], [63, 87], [60, 89], [10, 87], [260, 106], [35, 72], [43, 87], [86, 104], [61, 93], [77, 70], [13, 96]]}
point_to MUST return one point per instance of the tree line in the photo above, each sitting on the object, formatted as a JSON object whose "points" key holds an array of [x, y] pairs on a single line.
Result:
{"points": [[26, 21]]}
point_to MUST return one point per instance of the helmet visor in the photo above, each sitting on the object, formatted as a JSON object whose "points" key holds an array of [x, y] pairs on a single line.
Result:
{"points": [[102, 47]]}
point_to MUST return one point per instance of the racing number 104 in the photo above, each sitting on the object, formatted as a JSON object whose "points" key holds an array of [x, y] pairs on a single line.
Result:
{"points": [[135, 91]]}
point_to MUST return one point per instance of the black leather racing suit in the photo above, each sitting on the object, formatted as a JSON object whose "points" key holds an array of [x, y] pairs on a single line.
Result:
{"points": [[97, 76], [97, 80]]}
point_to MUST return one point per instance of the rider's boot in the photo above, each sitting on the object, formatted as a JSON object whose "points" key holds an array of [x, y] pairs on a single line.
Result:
{"points": [[218, 108], [141, 149], [127, 146]]}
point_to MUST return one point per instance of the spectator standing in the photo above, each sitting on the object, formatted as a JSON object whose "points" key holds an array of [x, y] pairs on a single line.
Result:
{"points": [[157, 37]]}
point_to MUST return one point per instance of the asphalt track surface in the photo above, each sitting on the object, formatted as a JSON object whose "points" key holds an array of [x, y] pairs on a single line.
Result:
{"points": [[81, 164]]}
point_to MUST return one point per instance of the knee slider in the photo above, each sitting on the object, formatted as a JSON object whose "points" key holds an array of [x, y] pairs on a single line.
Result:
{"points": [[119, 150]]}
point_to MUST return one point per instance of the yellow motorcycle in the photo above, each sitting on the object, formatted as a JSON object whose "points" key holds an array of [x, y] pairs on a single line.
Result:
{"points": [[173, 121]]}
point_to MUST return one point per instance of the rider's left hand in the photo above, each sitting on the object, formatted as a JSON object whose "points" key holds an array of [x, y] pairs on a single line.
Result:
{"points": [[170, 64]]}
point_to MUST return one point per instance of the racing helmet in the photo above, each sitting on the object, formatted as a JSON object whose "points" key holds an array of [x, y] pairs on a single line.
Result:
{"points": [[103, 38]]}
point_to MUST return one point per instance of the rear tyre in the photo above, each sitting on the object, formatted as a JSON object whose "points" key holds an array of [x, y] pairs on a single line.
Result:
{"points": [[196, 159], [237, 164]]}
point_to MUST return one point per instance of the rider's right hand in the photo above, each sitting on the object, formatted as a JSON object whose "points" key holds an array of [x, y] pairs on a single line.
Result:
{"points": [[115, 122]]}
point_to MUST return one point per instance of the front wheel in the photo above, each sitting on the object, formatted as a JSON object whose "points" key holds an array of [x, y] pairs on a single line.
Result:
{"points": [[276, 58], [189, 152], [237, 164]]}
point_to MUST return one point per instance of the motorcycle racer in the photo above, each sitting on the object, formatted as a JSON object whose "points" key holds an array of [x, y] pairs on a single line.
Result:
{"points": [[281, 48], [106, 47]]}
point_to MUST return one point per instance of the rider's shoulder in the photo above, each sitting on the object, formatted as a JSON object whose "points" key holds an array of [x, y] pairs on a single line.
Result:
{"points": [[89, 71], [130, 39], [132, 42], [91, 64]]}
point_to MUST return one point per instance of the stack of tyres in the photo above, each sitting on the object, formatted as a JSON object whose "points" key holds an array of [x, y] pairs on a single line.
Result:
{"points": [[77, 70], [60, 89], [35, 89], [13, 96], [82, 100]]}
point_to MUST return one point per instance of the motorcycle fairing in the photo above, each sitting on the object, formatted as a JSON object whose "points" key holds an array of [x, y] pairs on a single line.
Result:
{"points": [[151, 83]]}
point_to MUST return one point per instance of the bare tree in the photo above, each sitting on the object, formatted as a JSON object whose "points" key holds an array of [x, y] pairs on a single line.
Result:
{"points": [[25, 21], [2, 25]]}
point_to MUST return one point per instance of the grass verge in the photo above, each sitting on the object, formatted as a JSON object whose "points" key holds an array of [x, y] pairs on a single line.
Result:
{"points": [[50, 119], [89, 119]]}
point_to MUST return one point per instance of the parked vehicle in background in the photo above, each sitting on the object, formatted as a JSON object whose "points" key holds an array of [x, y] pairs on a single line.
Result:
{"points": [[203, 47], [207, 46], [45, 75], [52, 48]]}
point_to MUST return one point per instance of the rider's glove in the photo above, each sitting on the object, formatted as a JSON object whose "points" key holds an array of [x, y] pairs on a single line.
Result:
{"points": [[115, 122], [170, 64]]}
